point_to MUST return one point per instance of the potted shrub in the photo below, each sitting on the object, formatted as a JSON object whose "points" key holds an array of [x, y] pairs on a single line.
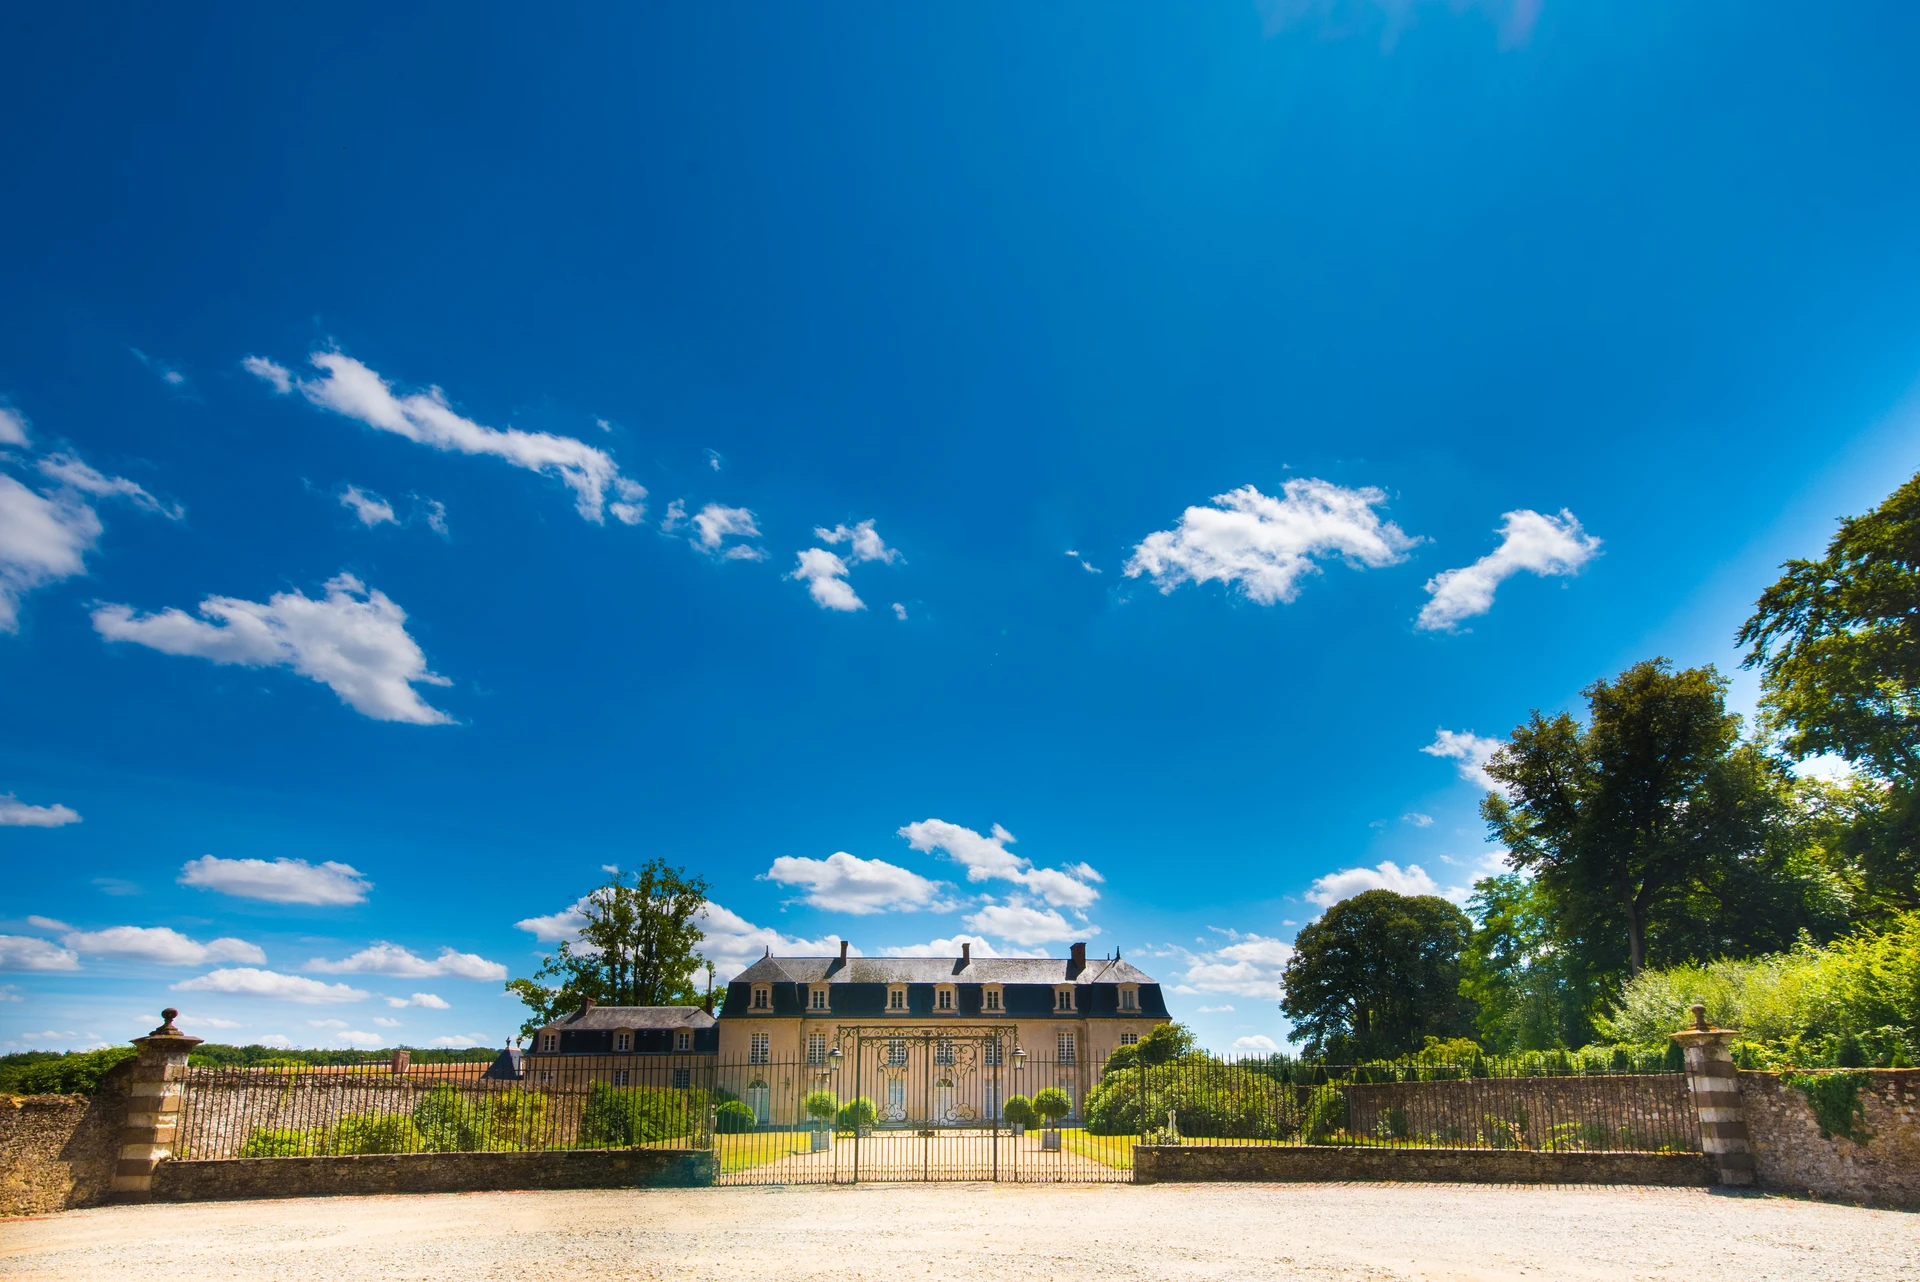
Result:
{"points": [[1052, 1104], [733, 1118], [1019, 1113], [821, 1107], [855, 1117]]}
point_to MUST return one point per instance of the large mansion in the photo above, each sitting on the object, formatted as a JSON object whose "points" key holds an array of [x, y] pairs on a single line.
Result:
{"points": [[942, 1040]]}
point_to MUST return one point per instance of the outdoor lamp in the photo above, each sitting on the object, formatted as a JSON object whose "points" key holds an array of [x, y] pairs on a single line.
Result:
{"points": [[1019, 1059], [833, 1059]]}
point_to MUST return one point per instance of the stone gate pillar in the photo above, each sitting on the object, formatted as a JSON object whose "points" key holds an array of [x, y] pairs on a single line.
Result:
{"points": [[153, 1108], [1716, 1096]]}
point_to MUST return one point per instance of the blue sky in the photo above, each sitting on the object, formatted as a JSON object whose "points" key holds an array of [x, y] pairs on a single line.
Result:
{"points": [[1032, 474]]}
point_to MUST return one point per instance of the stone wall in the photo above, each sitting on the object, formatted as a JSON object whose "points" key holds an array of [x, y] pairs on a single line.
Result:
{"points": [[1155, 1164], [262, 1177], [1633, 1112], [58, 1151], [1790, 1155]]}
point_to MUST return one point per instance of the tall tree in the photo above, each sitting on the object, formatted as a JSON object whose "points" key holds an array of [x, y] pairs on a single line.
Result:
{"points": [[637, 947], [1377, 975], [1837, 642], [1653, 830]]}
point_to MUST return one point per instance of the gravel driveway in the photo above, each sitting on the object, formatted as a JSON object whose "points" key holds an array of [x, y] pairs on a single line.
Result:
{"points": [[963, 1232]]}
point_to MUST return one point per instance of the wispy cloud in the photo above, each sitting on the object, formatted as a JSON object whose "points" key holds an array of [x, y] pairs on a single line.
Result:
{"points": [[846, 883], [161, 370], [425, 1001], [349, 388], [247, 981], [282, 881], [369, 508], [1236, 963], [1469, 752], [383, 958], [24, 952], [354, 641], [161, 945], [987, 858], [1264, 545], [715, 523], [1530, 542], [15, 813]]}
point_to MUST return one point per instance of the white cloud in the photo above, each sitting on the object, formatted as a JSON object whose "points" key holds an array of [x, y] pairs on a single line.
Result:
{"points": [[899, 611], [1265, 545], [326, 1023], [381, 1021], [1025, 924], [460, 1041], [10, 993], [1529, 541], [826, 578], [165, 372], [555, 927], [116, 886], [846, 883], [1470, 752], [359, 1038], [988, 857], [349, 388], [277, 1041], [354, 641], [1215, 1010], [863, 543], [271, 372], [1258, 1044], [425, 1001], [47, 923], [1085, 564], [70, 471], [208, 1021], [715, 524], [732, 942], [675, 518], [15, 813], [1245, 965], [433, 512], [251, 982], [284, 881], [13, 427], [946, 948], [715, 460], [383, 958], [1417, 819], [162, 946], [24, 952], [1345, 884], [368, 507]]}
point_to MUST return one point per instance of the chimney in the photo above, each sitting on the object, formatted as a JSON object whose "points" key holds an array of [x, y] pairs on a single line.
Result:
{"points": [[1078, 960], [966, 952], [400, 1060], [843, 952], [586, 1006]]}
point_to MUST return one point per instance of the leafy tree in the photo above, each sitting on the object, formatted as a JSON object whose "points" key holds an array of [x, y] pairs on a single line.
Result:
{"points": [[856, 1114], [1166, 1042], [1018, 1110], [820, 1106], [1837, 642], [1654, 817], [1528, 978], [1052, 1104], [637, 948], [74, 1073], [1377, 974]]}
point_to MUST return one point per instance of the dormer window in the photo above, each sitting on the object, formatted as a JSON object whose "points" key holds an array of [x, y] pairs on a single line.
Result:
{"points": [[817, 999], [762, 997], [990, 1000], [1063, 999], [549, 1042], [683, 1041], [943, 1000], [623, 1041], [1129, 999], [897, 999]]}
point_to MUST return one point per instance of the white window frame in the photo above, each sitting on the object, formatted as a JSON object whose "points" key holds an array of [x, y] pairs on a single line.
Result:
{"points": [[759, 1048], [1065, 1047], [682, 1078], [623, 1041], [549, 1043], [896, 1051], [990, 999], [944, 1001], [993, 1053], [896, 999], [943, 1051], [817, 999], [683, 1041], [1129, 999], [762, 997], [1063, 1001], [1129, 1039], [619, 1077], [816, 1049]]}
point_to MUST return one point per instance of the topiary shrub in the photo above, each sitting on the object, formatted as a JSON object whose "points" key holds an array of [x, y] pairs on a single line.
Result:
{"points": [[1018, 1110], [733, 1117], [855, 1115], [1052, 1104], [820, 1106]]}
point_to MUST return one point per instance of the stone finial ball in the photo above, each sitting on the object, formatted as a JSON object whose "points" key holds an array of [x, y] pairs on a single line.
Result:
{"points": [[1699, 1015], [169, 1014]]}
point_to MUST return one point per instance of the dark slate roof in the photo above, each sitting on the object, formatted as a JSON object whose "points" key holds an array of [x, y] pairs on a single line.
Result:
{"points": [[636, 1017], [507, 1065], [942, 970]]}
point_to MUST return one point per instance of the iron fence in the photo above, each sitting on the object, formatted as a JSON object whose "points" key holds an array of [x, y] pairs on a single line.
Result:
{"points": [[898, 1111]]}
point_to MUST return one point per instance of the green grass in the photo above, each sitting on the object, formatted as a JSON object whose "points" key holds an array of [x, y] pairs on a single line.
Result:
{"points": [[1113, 1150], [744, 1151]]}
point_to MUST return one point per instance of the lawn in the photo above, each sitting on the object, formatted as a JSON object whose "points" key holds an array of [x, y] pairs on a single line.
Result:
{"points": [[749, 1149], [1113, 1150]]}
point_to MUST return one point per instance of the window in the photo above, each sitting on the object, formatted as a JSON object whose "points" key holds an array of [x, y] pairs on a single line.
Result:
{"points": [[549, 1042], [547, 1076], [682, 1078], [1064, 1044], [757, 1049], [896, 1050], [943, 1000], [816, 1048], [619, 1077], [818, 999], [896, 999], [1129, 999], [993, 999], [993, 1053], [762, 999], [1129, 1039], [757, 1101], [623, 1041], [683, 1041], [943, 1051], [1063, 999]]}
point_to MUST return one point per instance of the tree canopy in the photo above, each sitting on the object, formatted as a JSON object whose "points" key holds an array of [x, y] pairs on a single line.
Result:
{"points": [[637, 947], [1377, 975]]}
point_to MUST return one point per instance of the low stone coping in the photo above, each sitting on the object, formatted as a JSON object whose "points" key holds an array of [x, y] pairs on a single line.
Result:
{"points": [[1332, 1163], [232, 1179]]}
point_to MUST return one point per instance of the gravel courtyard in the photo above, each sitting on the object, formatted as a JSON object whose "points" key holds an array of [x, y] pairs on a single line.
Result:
{"points": [[959, 1233]]}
